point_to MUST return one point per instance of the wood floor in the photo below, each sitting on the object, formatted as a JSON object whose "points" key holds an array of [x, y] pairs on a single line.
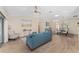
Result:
{"points": [[59, 44]]}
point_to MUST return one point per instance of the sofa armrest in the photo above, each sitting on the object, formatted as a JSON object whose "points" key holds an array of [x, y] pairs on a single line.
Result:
{"points": [[32, 35]]}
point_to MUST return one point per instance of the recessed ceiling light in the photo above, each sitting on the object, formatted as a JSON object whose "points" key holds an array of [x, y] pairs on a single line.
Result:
{"points": [[56, 15]]}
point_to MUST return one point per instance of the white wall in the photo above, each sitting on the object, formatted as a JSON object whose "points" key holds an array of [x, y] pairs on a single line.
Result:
{"points": [[15, 24], [73, 26]]}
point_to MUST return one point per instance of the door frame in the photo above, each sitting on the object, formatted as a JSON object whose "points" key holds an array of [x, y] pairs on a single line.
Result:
{"points": [[2, 19]]}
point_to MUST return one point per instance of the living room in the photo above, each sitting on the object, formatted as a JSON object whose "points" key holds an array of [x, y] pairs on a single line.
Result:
{"points": [[22, 21]]}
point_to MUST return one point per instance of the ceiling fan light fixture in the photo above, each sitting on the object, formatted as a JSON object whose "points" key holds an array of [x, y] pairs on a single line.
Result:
{"points": [[36, 10]]}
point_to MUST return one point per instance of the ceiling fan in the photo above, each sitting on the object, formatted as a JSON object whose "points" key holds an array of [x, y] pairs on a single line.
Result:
{"points": [[36, 10]]}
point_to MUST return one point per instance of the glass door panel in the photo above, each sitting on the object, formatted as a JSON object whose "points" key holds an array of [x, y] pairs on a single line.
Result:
{"points": [[1, 31]]}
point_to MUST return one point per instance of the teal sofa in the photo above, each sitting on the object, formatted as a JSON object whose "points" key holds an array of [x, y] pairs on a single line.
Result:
{"points": [[35, 40]]}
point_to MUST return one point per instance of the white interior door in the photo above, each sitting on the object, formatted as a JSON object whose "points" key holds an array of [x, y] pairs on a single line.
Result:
{"points": [[1, 31]]}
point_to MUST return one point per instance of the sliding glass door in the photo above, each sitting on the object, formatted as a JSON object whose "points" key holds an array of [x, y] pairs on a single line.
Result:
{"points": [[1, 31]]}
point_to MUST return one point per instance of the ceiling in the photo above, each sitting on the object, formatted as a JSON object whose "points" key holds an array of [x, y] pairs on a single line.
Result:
{"points": [[18, 11], [45, 11]]}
